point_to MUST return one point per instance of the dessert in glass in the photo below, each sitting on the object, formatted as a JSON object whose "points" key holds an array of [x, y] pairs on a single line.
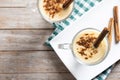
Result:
{"points": [[83, 49], [53, 10]]}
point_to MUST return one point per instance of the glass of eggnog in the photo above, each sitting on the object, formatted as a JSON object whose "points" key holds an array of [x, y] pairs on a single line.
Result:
{"points": [[53, 11], [83, 49]]}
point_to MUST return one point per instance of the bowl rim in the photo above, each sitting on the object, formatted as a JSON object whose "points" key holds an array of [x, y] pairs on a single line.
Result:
{"points": [[94, 63], [53, 21]]}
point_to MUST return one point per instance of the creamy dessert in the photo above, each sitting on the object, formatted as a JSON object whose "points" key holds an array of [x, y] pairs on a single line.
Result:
{"points": [[84, 50], [53, 11]]}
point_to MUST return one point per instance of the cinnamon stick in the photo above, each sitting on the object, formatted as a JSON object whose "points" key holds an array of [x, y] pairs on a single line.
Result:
{"points": [[101, 37], [116, 24], [67, 3], [110, 25]]}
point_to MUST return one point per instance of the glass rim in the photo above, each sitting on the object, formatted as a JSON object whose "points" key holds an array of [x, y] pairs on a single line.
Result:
{"points": [[53, 21], [94, 63]]}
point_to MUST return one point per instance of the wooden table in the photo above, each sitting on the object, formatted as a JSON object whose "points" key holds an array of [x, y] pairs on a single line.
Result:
{"points": [[23, 55]]}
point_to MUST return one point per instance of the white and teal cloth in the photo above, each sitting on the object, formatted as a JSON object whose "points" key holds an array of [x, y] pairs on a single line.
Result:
{"points": [[81, 7]]}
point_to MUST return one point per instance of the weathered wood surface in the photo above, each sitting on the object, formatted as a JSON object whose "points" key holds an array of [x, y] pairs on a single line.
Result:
{"points": [[11, 18], [30, 62], [37, 76], [24, 39], [23, 55], [32, 65], [12, 3], [115, 74], [21, 14]]}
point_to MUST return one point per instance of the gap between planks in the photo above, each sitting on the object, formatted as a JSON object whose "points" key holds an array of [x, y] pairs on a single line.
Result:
{"points": [[34, 72], [25, 50], [13, 7], [26, 28]]}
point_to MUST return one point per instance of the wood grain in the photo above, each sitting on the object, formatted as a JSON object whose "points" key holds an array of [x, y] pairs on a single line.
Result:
{"points": [[23, 55], [115, 74], [37, 76], [30, 62], [13, 3], [11, 18], [18, 3], [24, 39]]}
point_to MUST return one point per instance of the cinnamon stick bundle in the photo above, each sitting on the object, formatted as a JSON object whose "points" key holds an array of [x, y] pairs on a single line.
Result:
{"points": [[116, 23], [110, 25]]}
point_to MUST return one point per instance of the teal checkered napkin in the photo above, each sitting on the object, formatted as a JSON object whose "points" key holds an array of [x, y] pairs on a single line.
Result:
{"points": [[81, 7]]}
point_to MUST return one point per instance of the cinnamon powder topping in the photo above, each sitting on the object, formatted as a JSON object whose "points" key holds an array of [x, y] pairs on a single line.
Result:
{"points": [[53, 6], [86, 41]]}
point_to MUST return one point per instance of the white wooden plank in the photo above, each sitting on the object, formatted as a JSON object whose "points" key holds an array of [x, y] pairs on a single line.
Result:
{"points": [[24, 39], [11, 18], [30, 62], [37, 76]]}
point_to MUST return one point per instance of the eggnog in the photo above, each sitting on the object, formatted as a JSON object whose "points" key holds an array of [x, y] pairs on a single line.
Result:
{"points": [[84, 50], [52, 10]]}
